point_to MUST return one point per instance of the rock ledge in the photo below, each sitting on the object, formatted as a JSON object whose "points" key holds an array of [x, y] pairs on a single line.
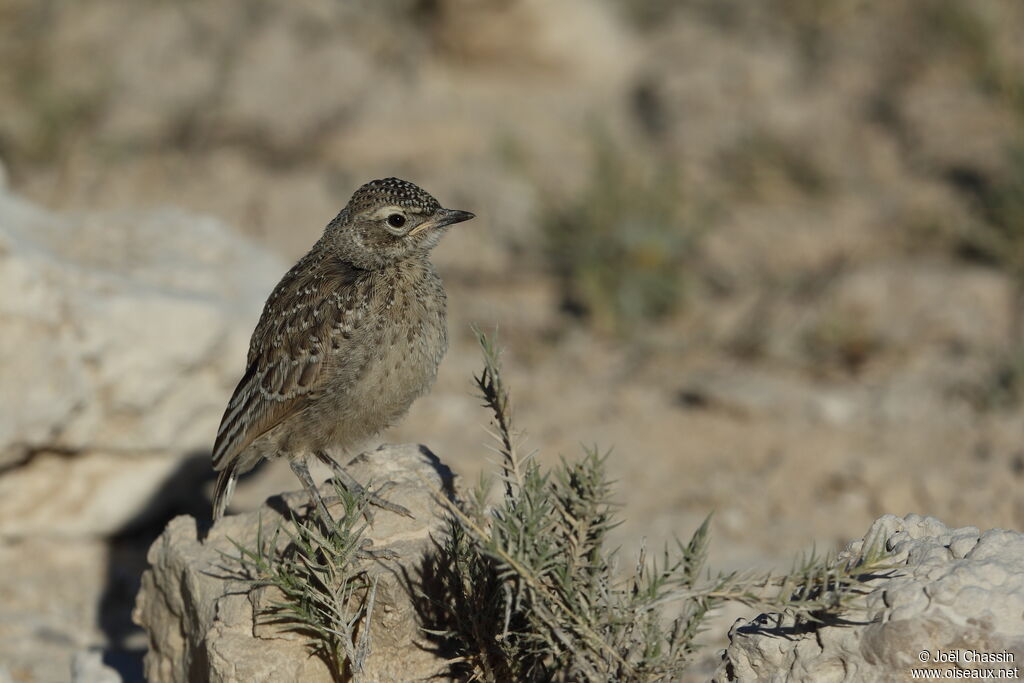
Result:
{"points": [[958, 592], [200, 620]]}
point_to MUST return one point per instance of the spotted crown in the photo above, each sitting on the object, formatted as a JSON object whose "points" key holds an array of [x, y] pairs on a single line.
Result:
{"points": [[392, 191]]}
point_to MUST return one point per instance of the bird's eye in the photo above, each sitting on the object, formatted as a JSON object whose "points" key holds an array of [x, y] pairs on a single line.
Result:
{"points": [[396, 220]]}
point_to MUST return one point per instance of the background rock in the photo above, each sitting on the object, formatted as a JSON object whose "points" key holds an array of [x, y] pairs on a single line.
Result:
{"points": [[953, 590], [122, 332], [51, 605], [123, 335], [201, 620], [88, 667]]}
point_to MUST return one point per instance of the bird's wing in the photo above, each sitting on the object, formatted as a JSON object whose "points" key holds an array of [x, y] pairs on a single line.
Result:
{"points": [[310, 314]]}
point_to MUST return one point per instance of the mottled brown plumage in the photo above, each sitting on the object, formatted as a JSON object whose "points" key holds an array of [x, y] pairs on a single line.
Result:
{"points": [[348, 339]]}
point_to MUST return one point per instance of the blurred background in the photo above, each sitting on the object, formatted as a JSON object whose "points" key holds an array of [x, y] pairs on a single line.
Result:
{"points": [[769, 254]]}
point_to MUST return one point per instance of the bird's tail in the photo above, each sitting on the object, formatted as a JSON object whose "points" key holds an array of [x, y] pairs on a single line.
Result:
{"points": [[224, 488]]}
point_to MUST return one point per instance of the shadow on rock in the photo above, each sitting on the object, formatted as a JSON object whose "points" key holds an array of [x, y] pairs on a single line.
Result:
{"points": [[181, 494]]}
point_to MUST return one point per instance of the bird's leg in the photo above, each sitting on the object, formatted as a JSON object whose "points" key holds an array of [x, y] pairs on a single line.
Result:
{"points": [[301, 470], [354, 486]]}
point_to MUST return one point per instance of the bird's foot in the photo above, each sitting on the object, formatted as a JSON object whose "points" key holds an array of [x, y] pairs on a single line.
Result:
{"points": [[365, 552], [373, 498], [352, 486]]}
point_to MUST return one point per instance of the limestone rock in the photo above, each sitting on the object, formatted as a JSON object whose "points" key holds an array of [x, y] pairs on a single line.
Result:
{"points": [[52, 594], [201, 619], [957, 593], [88, 667], [123, 335]]}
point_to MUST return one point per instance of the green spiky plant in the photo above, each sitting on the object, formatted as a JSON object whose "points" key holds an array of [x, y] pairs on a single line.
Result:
{"points": [[527, 590], [324, 592]]}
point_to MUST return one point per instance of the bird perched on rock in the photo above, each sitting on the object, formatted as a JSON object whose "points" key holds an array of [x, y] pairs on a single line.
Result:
{"points": [[348, 339]]}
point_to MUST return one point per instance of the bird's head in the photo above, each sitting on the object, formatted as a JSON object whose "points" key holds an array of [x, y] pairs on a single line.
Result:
{"points": [[387, 220]]}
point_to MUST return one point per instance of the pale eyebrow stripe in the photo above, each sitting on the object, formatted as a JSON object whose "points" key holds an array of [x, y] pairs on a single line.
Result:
{"points": [[385, 211]]}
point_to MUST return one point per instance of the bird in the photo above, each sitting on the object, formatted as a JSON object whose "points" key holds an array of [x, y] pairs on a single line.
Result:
{"points": [[352, 334]]}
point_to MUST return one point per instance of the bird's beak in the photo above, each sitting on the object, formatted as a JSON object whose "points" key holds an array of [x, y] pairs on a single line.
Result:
{"points": [[442, 218]]}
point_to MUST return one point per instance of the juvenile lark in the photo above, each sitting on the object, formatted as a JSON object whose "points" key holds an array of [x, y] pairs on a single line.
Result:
{"points": [[348, 339]]}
